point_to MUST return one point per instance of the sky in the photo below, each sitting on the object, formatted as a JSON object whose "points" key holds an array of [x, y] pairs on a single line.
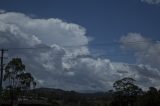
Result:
{"points": [[90, 44]]}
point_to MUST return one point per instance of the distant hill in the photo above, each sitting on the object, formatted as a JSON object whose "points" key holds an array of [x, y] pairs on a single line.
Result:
{"points": [[46, 92]]}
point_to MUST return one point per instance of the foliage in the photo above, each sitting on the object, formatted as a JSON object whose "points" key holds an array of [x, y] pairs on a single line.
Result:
{"points": [[127, 87], [16, 75], [17, 79], [126, 92], [13, 69]]}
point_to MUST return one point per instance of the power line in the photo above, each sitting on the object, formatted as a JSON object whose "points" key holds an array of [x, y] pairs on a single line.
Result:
{"points": [[94, 44], [27, 48], [114, 43], [98, 44]]}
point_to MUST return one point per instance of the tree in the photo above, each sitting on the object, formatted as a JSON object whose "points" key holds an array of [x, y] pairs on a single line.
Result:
{"points": [[127, 87], [17, 78], [25, 80], [152, 97], [12, 72], [126, 91]]}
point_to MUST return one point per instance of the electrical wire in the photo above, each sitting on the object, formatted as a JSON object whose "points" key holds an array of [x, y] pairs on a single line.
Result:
{"points": [[74, 47], [94, 44]]}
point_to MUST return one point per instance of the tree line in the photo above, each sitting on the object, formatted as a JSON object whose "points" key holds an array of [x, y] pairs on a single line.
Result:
{"points": [[18, 84]]}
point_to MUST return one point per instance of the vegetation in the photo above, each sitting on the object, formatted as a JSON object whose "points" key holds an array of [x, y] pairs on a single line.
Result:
{"points": [[125, 93], [58, 97], [17, 79]]}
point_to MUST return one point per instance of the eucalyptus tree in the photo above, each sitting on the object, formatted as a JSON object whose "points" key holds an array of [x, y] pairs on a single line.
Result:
{"points": [[126, 91], [17, 78]]}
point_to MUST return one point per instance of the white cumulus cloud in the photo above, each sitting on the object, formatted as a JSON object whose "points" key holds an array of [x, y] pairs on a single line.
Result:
{"points": [[66, 63], [146, 50], [151, 1]]}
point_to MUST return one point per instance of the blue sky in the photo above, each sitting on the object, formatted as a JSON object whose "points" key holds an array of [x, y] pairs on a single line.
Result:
{"points": [[102, 18], [103, 21]]}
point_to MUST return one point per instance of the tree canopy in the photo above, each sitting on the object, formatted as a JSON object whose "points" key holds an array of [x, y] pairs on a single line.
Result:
{"points": [[16, 76]]}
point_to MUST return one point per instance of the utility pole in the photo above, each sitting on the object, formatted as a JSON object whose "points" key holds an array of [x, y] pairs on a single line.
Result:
{"points": [[1, 66]]}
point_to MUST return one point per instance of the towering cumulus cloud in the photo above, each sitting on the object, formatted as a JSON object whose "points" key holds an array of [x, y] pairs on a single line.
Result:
{"points": [[146, 50], [146, 53], [64, 61]]}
